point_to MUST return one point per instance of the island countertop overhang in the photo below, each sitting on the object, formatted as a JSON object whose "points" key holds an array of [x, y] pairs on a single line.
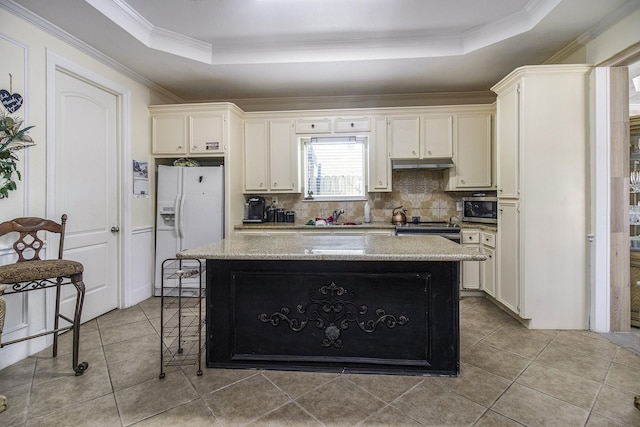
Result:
{"points": [[334, 248]]}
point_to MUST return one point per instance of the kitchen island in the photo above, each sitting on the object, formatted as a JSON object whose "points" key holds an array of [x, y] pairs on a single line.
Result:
{"points": [[367, 304]]}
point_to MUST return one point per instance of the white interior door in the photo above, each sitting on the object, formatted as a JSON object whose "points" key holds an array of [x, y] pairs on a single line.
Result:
{"points": [[85, 187]]}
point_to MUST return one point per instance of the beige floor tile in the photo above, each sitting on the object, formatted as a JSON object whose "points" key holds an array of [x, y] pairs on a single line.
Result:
{"points": [[192, 414], [596, 420], [389, 417], [385, 387], [624, 377], [215, 379], [151, 307], [289, 415], [101, 411], [139, 369], [130, 331], [570, 388], [17, 407], [627, 358], [18, 375], [69, 390], [493, 419], [618, 405], [327, 402], [516, 341], [295, 384], [586, 342], [499, 362], [124, 351], [476, 384], [431, 404], [245, 401], [534, 408], [50, 368], [153, 397], [574, 362], [119, 317]]}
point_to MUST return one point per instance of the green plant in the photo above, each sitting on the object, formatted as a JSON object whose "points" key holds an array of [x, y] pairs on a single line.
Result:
{"points": [[12, 139]]}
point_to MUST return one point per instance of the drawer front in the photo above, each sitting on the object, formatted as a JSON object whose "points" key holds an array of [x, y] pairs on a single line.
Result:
{"points": [[470, 237], [356, 124], [313, 126], [488, 239]]}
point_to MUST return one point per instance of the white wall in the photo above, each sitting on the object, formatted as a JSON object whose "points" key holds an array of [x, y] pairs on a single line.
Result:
{"points": [[24, 48]]}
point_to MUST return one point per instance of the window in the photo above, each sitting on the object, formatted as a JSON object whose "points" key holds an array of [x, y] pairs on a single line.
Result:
{"points": [[334, 168]]}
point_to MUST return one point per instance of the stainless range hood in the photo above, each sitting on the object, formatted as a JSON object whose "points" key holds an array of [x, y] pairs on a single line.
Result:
{"points": [[433, 164]]}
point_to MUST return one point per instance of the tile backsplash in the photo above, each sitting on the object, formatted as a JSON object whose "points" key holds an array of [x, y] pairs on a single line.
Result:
{"points": [[420, 192]]}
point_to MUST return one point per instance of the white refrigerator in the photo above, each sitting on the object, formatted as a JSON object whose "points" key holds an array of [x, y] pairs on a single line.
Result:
{"points": [[190, 213]]}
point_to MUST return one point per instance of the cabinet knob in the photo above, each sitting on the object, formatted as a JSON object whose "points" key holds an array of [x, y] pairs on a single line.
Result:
{"points": [[352, 125], [413, 151], [275, 184], [313, 125], [462, 181], [194, 147], [179, 147], [379, 182], [261, 185], [429, 151]]}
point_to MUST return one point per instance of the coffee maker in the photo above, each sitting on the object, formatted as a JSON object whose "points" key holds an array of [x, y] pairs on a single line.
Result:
{"points": [[256, 210]]}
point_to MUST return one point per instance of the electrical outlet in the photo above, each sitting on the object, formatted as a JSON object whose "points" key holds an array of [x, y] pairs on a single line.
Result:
{"points": [[378, 196], [274, 199]]}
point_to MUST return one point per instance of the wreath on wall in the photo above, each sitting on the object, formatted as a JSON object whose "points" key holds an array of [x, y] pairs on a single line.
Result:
{"points": [[12, 140]]}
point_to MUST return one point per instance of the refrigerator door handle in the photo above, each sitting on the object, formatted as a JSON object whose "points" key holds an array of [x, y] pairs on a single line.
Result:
{"points": [[180, 220]]}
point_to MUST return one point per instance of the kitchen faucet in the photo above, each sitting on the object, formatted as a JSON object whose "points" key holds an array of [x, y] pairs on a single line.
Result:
{"points": [[336, 214]]}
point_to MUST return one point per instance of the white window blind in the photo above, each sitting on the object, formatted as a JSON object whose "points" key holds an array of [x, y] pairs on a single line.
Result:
{"points": [[334, 167]]}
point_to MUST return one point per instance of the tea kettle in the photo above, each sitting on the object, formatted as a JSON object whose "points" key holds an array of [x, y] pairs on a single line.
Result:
{"points": [[399, 217]]}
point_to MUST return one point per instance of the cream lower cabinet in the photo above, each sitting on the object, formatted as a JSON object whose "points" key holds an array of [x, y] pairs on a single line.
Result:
{"points": [[488, 267], [508, 283], [271, 157], [179, 131], [470, 269]]}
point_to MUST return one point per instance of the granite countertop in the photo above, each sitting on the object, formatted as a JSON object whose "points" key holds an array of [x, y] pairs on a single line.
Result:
{"points": [[335, 248]]}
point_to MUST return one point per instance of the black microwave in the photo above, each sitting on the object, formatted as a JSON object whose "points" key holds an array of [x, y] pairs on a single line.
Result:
{"points": [[480, 209]]}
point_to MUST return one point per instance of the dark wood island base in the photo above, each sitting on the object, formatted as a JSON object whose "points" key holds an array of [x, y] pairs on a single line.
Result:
{"points": [[384, 317]]}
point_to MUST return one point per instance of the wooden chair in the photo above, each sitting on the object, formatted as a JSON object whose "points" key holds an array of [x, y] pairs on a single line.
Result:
{"points": [[31, 273]]}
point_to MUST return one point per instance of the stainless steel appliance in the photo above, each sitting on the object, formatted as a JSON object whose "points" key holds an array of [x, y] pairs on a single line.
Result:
{"points": [[480, 209], [444, 229]]}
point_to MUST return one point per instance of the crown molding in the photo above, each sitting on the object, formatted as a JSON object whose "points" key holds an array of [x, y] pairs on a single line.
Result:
{"points": [[73, 41]]}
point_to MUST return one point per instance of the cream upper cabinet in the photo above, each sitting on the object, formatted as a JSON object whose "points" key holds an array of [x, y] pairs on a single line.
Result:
{"points": [[284, 159], [421, 136], [352, 124], [508, 159], [404, 136], [437, 136], [379, 165], [271, 157], [187, 133], [543, 144], [473, 152], [256, 155], [322, 125]]}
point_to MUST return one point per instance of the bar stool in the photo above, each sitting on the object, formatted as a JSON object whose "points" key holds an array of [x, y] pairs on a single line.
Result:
{"points": [[31, 273]]}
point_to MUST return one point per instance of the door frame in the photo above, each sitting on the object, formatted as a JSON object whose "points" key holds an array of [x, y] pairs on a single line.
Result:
{"points": [[610, 296], [57, 63]]}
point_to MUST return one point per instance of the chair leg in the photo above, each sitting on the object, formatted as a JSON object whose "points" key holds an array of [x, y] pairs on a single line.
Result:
{"points": [[56, 318], [79, 368]]}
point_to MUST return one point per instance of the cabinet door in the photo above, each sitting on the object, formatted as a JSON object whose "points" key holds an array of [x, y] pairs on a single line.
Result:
{"points": [[488, 271], [169, 134], [404, 136], [437, 141], [283, 158], [313, 125], [352, 124], [379, 163], [473, 151], [508, 262], [508, 142], [470, 239], [206, 133], [256, 176]]}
